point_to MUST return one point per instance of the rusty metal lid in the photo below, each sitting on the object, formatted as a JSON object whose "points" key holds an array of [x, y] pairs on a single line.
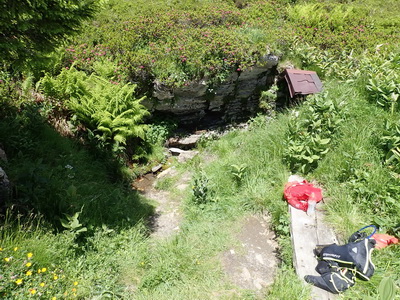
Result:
{"points": [[302, 82]]}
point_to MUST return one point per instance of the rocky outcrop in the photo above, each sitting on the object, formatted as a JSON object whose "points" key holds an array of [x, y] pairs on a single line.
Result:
{"points": [[237, 97], [4, 182]]}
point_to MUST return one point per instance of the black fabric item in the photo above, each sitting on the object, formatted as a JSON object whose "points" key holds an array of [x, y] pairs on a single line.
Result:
{"points": [[334, 282], [353, 255], [318, 281], [357, 236], [323, 267]]}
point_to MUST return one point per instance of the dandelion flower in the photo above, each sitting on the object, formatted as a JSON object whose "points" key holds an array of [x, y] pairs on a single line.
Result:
{"points": [[1, 249], [55, 277], [53, 298], [44, 270], [74, 290], [32, 291], [7, 259], [75, 283], [28, 264], [18, 281], [29, 255], [29, 273], [16, 248], [42, 284]]}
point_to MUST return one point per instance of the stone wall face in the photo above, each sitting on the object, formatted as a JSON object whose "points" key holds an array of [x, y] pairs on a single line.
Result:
{"points": [[235, 98]]}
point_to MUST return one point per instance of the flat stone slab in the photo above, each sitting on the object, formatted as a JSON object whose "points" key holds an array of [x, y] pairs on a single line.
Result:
{"points": [[307, 232], [252, 265]]}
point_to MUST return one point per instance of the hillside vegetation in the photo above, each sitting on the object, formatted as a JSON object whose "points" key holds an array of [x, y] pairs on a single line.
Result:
{"points": [[76, 135]]}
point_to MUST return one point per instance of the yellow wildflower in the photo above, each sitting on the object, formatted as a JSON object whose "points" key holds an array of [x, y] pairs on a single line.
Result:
{"points": [[7, 259], [1, 249], [18, 281], [44, 270], [28, 264], [29, 255], [29, 273], [32, 291], [39, 271], [55, 277], [54, 298], [42, 284], [74, 290], [75, 283], [16, 248]]}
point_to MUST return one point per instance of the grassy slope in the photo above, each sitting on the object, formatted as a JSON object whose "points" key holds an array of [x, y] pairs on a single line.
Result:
{"points": [[118, 259]]}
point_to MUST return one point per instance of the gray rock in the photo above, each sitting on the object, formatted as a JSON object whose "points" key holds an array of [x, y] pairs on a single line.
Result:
{"points": [[186, 142], [4, 186], [236, 97], [3, 155], [156, 168], [162, 92], [187, 155], [176, 151]]}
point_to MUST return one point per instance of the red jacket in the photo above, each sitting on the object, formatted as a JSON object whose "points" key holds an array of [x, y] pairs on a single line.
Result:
{"points": [[298, 194]]}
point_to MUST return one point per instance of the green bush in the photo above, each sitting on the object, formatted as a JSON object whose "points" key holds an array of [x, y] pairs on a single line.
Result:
{"points": [[384, 82], [311, 132], [177, 43], [343, 26], [109, 112]]}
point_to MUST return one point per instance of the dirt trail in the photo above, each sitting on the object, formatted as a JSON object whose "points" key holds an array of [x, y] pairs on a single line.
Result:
{"points": [[250, 264], [167, 217]]}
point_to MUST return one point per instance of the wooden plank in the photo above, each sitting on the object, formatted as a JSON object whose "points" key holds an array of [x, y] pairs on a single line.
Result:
{"points": [[307, 232], [325, 234]]}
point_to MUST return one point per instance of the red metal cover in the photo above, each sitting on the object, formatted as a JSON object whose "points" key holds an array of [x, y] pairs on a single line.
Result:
{"points": [[302, 82]]}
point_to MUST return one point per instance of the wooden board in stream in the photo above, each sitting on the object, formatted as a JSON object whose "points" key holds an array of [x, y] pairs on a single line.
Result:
{"points": [[307, 232]]}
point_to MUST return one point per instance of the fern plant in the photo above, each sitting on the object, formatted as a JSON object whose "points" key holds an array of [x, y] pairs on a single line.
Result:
{"points": [[110, 112]]}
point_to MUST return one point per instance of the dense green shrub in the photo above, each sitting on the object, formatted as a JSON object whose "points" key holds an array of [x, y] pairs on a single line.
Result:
{"points": [[384, 80], [109, 112], [311, 131], [177, 43], [348, 26]]}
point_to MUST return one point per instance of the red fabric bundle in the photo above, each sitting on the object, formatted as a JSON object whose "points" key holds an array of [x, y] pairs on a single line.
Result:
{"points": [[298, 194], [383, 240]]}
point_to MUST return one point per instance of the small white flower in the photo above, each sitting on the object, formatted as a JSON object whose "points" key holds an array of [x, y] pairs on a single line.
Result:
{"points": [[69, 167]]}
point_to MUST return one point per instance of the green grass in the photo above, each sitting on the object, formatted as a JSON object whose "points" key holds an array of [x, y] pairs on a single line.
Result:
{"points": [[115, 257], [109, 251]]}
